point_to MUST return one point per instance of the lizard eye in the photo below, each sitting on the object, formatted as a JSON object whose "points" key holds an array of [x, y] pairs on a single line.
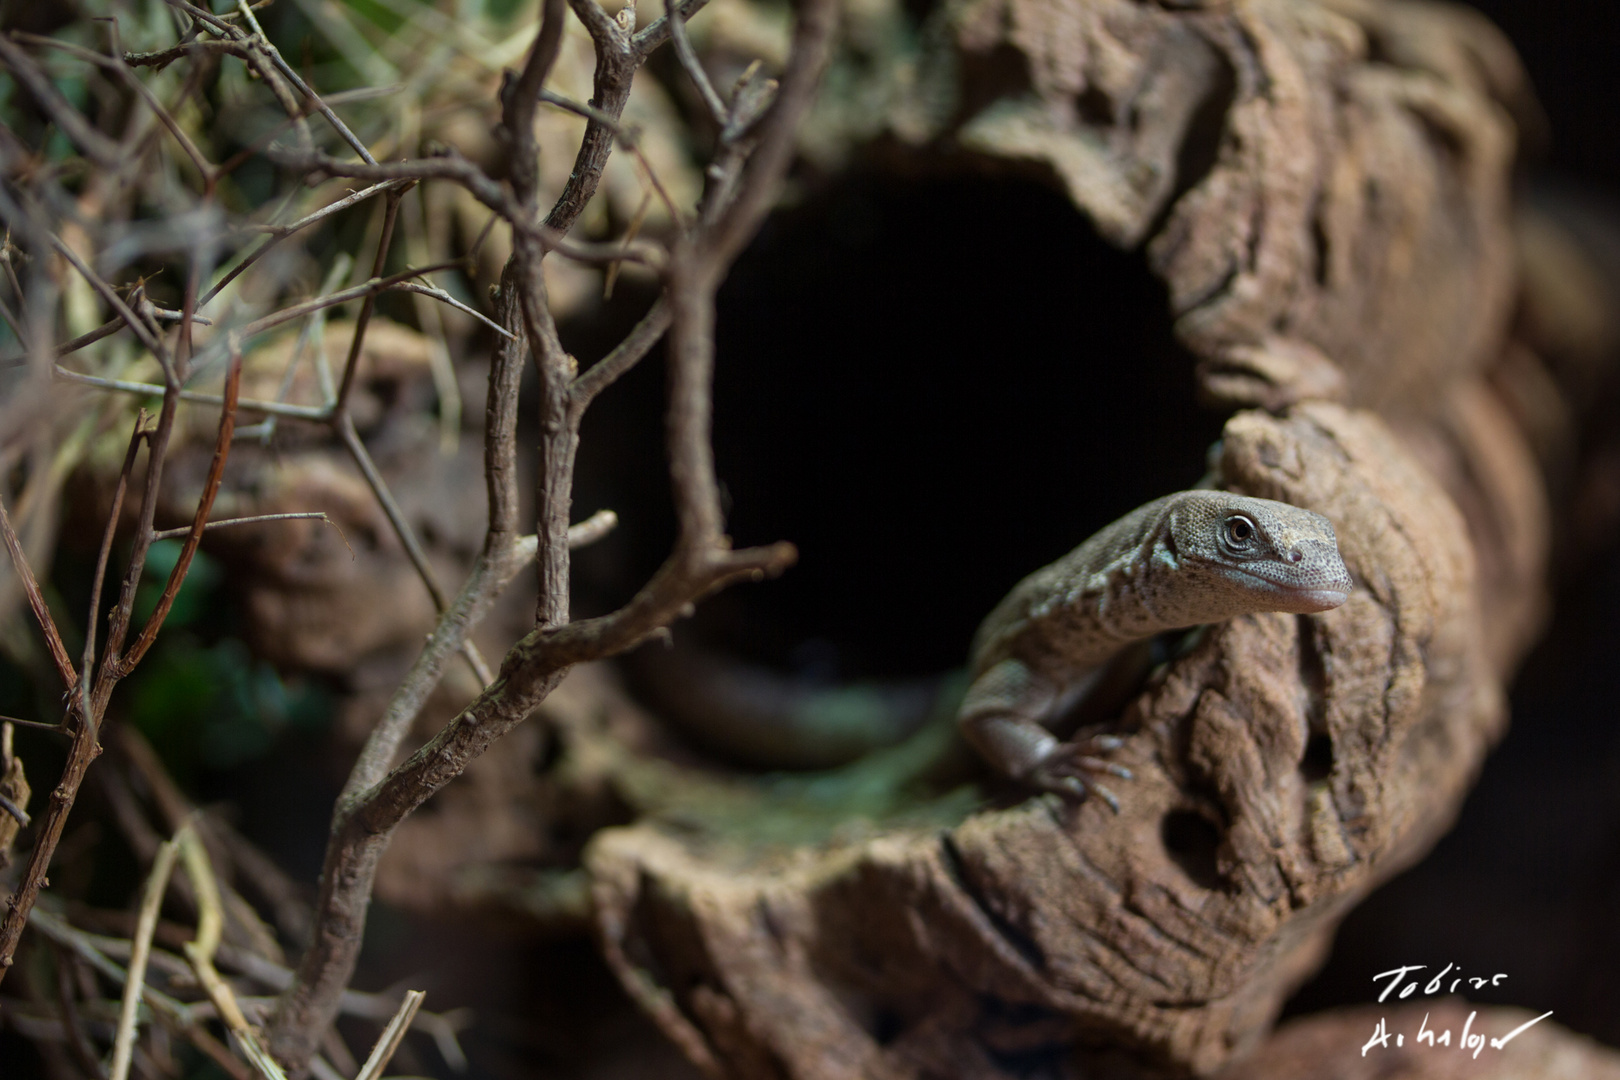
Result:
{"points": [[1238, 532]]}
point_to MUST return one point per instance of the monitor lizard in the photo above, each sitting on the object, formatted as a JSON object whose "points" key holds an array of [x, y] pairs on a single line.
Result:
{"points": [[1183, 560]]}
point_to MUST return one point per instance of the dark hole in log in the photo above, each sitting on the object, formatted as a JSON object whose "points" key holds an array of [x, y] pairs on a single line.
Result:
{"points": [[1192, 842], [1094, 106], [1317, 763], [887, 1025], [931, 386]]}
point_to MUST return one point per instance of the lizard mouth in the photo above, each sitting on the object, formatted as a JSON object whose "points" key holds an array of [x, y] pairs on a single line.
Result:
{"points": [[1299, 600]]}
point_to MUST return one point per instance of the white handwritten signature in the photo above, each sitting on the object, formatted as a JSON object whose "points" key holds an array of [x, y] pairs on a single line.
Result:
{"points": [[1438, 984], [1470, 1040]]}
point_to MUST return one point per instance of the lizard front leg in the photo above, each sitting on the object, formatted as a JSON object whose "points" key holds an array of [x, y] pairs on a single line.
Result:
{"points": [[1002, 717]]}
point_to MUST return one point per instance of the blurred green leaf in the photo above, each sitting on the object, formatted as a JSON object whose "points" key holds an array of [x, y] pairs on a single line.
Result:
{"points": [[192, 599]]}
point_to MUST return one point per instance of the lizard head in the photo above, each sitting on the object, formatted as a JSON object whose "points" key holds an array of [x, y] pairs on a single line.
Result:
{"points": [[1274, 556]]}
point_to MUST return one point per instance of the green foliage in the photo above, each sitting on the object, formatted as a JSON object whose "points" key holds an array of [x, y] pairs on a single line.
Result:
{"points": [[210, 705]]}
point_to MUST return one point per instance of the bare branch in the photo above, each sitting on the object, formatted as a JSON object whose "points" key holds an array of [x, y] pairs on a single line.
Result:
{"points": [[628, 137], [388, 1042], [351, 365], [84, 1052], [128, 78], [200, 952], [407, 535], [17, 813], [96, 146], [445, 298], [216, 473], [316, 993], [318, 413], [592, 529], [373, 803], [609, 252], [93, 620], [36, 601], [157, 882], [304, 515], [36, 725], [602, 374], [278, 233], [164, 57], [291, 76], [364, 290], [694, 68], [174, 1015], [116, 302], [616, 62], [446, 166], [659, 30]]}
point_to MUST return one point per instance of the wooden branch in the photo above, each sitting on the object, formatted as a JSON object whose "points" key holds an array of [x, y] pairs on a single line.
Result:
{"points": [[617, 59], [448, 166], [36, 601], [375, 800], [315, 994], [693, 66], [157, 882], [96, 146], [256, 519], [205, 505], [127, 76], [351, 364], [93, 619], [277, 233]]}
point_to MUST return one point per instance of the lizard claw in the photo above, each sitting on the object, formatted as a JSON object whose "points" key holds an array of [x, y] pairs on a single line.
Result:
{"points": [[1071, 769], [1061, 771], [1099, 765]]}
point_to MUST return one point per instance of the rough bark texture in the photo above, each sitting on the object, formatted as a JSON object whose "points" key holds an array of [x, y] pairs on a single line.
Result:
{"points": [[1320, 184], [1324, 188], [1284, 765]]}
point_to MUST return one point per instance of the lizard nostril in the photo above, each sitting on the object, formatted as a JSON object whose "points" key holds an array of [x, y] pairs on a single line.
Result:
{"points": [[1295, 555]]}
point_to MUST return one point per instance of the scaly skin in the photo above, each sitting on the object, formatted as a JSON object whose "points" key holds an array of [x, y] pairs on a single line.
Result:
{"points": [[1187, 559]]}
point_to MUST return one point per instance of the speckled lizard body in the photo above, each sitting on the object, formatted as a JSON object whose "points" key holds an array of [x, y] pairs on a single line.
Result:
{"points": [[1190, 558]]}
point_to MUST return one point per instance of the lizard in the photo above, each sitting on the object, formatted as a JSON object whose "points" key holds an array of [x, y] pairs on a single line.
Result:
{"points": [[1180, 561]]}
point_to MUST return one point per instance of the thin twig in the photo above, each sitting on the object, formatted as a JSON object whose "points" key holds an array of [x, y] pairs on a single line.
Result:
{"points": [[128, 77], [79, 1044], [17, 813], [136, 324], [445, 298], [277, 233], [407, 535], [302, 515], [318, 413], [157, 883], [388, 1042], [592, 529], [629, 138], [694, 68], [36, 601], [375, 800], [36, 725], [96, 146], [351, 366], [602, 374], [100, 576], [179, 1017], [200, 952], [177, 576]]}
